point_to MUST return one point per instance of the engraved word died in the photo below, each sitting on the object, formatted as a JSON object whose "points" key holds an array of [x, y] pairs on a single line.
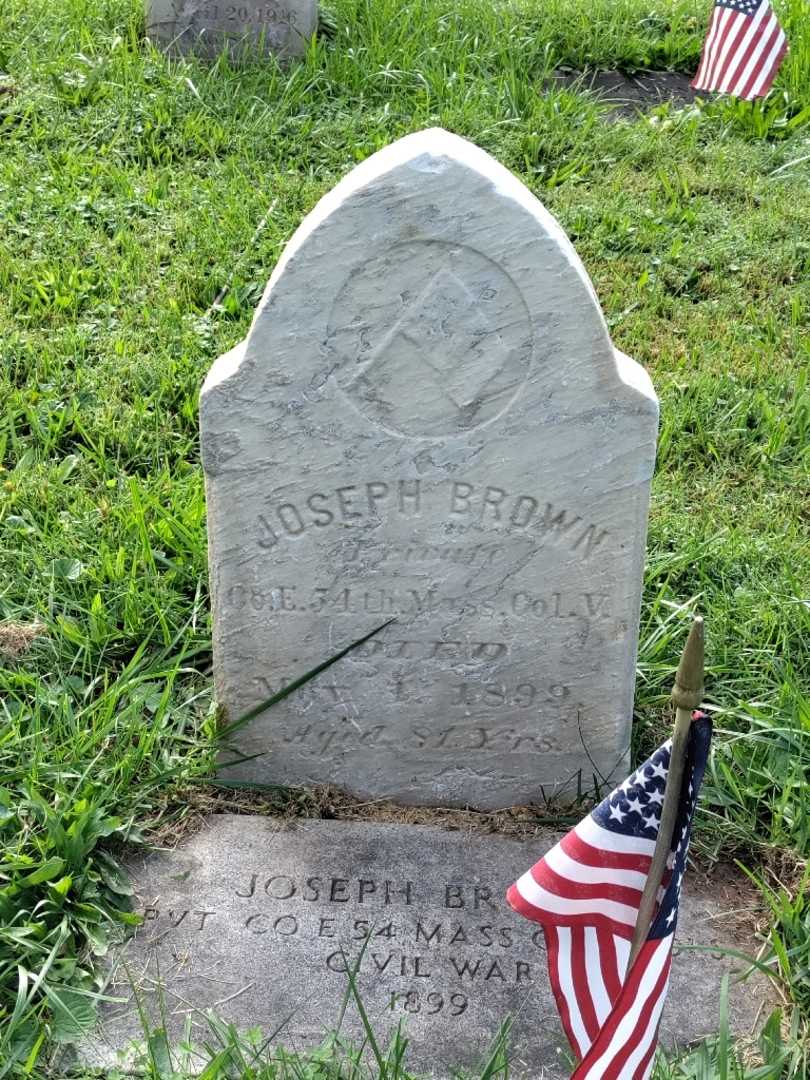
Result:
{"points": [[428, 426]]}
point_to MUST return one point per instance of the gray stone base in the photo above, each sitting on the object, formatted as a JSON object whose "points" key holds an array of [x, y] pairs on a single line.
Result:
{"points": [[256, 919]]}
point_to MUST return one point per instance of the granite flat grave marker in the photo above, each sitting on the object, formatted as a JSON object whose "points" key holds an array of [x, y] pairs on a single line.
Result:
{"points": [[258, 921], [206, 27], [428, 422]]}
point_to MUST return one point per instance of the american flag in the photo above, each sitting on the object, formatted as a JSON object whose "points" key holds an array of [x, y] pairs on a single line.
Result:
{"points": [[586, 893], [743, 49]]}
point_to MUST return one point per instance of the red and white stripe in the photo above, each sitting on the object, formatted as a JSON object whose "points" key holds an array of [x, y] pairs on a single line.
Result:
{"points": [[586, 892], [593, 877], [742, 53], [625, 1045]]}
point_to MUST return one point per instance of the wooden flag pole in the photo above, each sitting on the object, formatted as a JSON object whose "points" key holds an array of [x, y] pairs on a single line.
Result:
{"points": [[686, 694]]}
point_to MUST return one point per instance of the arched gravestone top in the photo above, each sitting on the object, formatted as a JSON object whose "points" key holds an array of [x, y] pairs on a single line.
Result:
{"points": [[428, 421]]}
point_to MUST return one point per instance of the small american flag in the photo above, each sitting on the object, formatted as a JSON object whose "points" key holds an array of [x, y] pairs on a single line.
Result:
{"points": [[586, 893], [743, 49]]}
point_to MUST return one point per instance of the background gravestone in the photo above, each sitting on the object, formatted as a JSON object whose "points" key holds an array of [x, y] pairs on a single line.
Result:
{"points": [[205, 27], [428, 422]]}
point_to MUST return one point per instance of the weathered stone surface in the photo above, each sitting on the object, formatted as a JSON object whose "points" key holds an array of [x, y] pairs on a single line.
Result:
{"points": [[254, 919], [206, 27], [428, 421]]}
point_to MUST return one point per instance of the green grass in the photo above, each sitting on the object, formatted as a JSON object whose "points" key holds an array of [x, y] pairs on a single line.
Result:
{"points": [[230, 1053], [130, 191]]}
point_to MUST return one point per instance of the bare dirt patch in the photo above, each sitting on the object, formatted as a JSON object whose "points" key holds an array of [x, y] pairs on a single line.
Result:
{"points": [[628, 95], [326, 802], [16, 638]]}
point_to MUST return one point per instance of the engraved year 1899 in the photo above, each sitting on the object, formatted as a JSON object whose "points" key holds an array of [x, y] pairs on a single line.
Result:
{"points": [[431, 1003]]}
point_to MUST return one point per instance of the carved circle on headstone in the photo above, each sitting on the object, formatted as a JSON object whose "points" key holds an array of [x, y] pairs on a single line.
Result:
{"points": [[458, 325]]}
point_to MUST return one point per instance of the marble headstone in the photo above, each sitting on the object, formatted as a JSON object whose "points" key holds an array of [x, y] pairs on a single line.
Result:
{"points": [[427, 422], [206, 27], [259, 923]]}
